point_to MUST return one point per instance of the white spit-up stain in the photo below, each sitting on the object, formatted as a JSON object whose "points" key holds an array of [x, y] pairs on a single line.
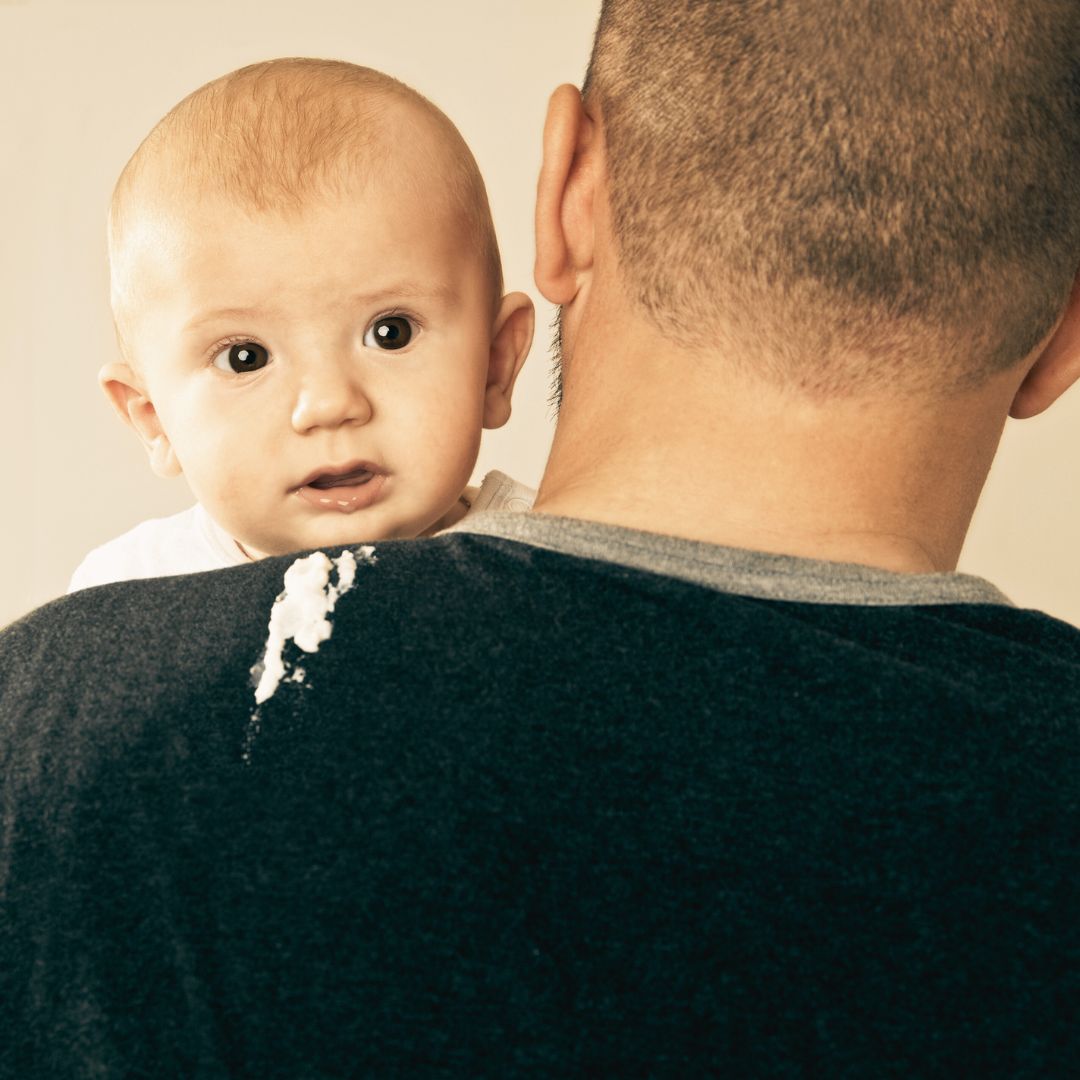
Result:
{"points": [[301, 612]]}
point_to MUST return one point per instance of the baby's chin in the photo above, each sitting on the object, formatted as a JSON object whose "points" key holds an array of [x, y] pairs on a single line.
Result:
{"points": [[350, 529]]}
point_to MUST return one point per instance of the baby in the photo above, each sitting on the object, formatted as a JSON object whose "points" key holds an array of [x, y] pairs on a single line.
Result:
{"points": [[308, 299]]}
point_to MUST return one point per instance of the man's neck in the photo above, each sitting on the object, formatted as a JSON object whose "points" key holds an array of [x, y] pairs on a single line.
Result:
{"points": [[682, 450]]}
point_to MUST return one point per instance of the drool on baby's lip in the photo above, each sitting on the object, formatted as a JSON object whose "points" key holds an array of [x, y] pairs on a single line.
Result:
{"points": [[346, 475], [343, 492]]}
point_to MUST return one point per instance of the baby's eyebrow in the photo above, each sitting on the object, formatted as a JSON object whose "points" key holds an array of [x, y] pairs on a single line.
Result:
{"points": [[201, 319], [441, 292], [414, 290]]}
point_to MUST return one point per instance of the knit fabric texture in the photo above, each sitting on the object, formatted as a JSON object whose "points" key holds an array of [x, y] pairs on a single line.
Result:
{"points": [[530, 814]]}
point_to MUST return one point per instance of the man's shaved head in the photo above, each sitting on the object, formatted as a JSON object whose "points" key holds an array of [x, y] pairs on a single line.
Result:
{"points": [[273, 136], [852, 192]]}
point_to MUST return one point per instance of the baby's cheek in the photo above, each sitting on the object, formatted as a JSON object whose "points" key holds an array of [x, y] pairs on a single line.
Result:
{"points": [[218, 479]]}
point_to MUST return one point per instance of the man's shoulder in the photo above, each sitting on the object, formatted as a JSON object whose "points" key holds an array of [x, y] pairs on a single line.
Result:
{"points": [[481, 602], [478, 610]]}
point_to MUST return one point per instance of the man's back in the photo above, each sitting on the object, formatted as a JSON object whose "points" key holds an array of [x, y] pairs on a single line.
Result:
{"points": [[556, 816]]}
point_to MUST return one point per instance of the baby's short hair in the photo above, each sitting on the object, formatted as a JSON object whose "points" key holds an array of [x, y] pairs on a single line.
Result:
{"points": [[277, 134]]}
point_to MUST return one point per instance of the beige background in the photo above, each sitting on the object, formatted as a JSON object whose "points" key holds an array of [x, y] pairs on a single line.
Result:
{"points": [[83, 80]]}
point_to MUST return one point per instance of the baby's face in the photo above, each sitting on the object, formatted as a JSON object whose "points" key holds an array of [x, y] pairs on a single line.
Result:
{"points": [[321, 379]]}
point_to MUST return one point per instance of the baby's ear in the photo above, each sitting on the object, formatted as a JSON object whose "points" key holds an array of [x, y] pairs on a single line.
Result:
{"points": [[511, 336], [128, 397]]}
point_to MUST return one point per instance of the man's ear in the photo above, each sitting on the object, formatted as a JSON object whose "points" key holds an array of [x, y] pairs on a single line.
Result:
{"points": [[511, 336], [1056, 367], [564, 196], [127, 395]]}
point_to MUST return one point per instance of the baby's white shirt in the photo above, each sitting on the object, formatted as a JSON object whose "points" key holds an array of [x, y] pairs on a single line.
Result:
{"points": [[183, 543], [191, 541]]}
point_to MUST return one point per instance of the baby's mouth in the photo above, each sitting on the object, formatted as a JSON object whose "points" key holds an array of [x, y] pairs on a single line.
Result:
{"points": [[354, 486], [349, 479]]}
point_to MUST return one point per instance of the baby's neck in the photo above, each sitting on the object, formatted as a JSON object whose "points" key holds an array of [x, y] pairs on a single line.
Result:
{"points": [[452, 516], [246, 554]]}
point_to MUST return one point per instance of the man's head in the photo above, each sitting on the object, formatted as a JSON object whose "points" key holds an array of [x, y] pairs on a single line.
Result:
{"points": [[307, 293], [850, 199]]}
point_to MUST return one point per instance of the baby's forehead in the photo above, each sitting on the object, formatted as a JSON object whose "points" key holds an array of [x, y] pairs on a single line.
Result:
{"points": [[253, 152], [327, 259], [196, 228], [279, 166], [409, 147]]}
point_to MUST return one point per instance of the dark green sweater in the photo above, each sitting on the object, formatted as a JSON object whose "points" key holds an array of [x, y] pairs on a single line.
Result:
{"points": [[537, 815]]}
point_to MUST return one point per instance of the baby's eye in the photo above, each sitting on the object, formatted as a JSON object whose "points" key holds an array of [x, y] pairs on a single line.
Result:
{"points": [[389, 332], [241, 357]]}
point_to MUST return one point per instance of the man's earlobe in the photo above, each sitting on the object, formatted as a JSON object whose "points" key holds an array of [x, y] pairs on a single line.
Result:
{"points": [[1056, 367], [511, 338], [564, 197], [125, 392]]}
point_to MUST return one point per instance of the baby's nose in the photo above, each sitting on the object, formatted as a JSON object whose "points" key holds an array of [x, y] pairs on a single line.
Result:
{"points": [[329, 395]]}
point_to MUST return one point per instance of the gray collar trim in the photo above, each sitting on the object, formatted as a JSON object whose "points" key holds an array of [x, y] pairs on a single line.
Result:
{"points": [[734, 570]]}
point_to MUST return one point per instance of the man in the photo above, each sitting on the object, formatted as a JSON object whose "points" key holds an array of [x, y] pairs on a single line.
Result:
{"points": [[710, 766]]}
